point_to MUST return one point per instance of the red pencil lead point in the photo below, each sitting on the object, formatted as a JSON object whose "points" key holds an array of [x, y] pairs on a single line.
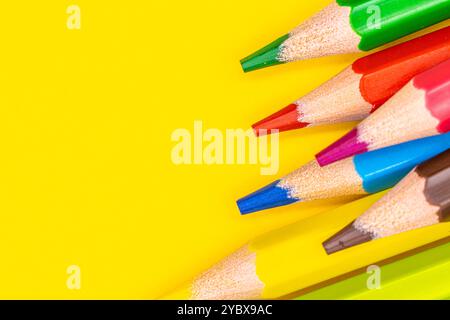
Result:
{"points": [[283, 120]]}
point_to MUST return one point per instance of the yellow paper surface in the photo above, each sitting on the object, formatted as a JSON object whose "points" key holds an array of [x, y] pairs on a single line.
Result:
{"points": [[87, 184]]}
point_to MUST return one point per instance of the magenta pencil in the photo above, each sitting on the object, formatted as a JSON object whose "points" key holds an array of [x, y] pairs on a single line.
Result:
{"points": [[420, 109]]}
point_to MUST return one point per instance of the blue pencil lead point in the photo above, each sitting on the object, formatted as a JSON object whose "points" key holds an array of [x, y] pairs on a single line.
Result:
{"points": [[268, 197]]}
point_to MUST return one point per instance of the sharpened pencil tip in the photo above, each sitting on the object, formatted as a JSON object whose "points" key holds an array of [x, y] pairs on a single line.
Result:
{"points": [[284, 120], [346, 238], [265, 57], [268, 197], [345, 147]]}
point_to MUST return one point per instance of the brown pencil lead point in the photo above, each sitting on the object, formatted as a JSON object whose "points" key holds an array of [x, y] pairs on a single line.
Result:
{"points": [[346, 238]]}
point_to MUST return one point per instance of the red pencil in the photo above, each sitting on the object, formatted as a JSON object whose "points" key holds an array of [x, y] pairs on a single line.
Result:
{"points": [[362, 87], [420, 109]]}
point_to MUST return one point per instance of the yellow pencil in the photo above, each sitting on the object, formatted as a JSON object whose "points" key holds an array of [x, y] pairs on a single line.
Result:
{"points": [[292, 258]]}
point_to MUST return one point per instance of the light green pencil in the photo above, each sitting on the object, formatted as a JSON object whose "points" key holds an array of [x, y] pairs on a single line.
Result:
{"points": [[423, 276]]}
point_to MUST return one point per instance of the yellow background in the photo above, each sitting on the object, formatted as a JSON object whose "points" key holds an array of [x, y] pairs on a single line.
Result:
{"points": [[86, 119]]}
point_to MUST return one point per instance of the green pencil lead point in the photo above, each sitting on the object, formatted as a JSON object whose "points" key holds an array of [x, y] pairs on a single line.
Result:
{"points": [[265, 57]]}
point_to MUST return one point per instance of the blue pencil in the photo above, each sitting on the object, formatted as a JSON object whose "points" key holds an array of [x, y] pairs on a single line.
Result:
{"points": [[363, 174]]}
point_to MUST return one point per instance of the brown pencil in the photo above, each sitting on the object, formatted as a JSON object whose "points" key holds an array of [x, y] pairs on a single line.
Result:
{"points": [[421, 199]]}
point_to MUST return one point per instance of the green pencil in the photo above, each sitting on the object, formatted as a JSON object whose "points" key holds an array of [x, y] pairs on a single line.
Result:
{"points": [[347, 26]]}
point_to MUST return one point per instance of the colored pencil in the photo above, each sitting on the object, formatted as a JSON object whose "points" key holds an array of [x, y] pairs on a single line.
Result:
{"points": [[422, 276], [363, 174], [292, 258], [347, 26], [421, 199], [420, 109], [362, 87]]}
